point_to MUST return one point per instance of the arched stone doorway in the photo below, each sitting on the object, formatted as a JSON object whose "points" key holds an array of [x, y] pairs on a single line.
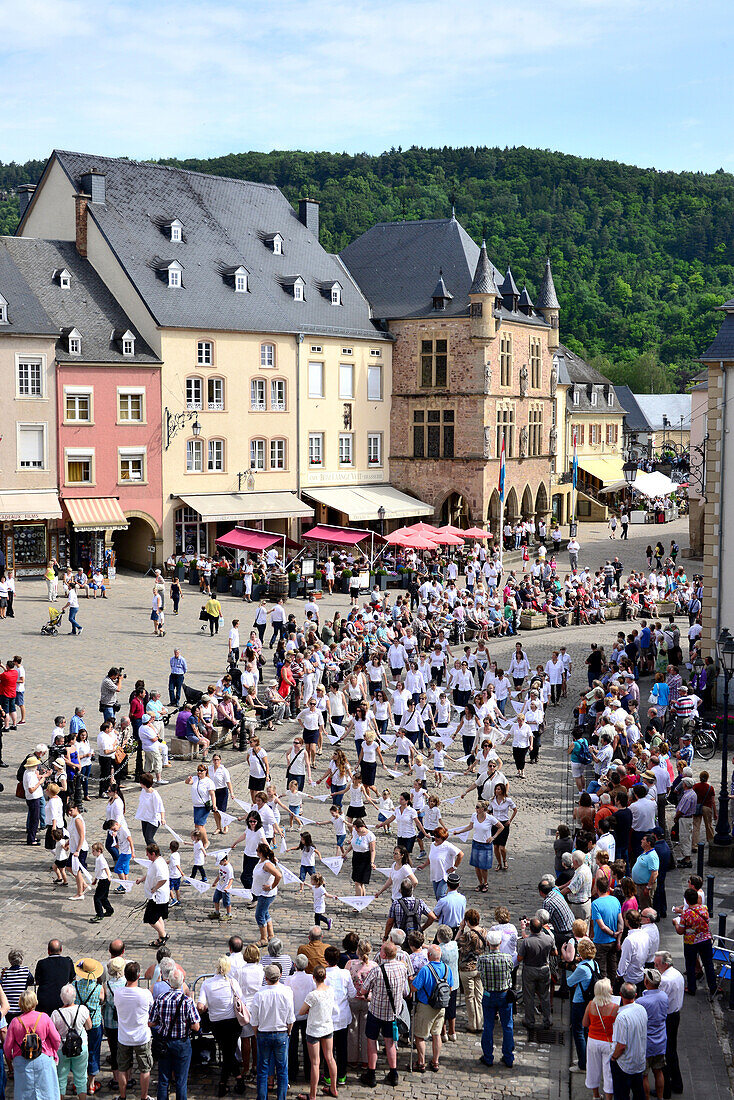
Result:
{"points": [[455, 511], [132, 546], [493, 513], [541, 502], [511, 506], [527, 503]]}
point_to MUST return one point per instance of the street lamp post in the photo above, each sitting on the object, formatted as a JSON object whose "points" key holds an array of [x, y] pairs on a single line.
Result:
{"points": [[381, 517], [725, 652]]}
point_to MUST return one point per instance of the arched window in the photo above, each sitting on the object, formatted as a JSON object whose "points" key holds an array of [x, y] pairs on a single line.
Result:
{"points": [[267, 355], [194, 456], [278, 454], [194, 392], [257, 454], [278, 395], [215, 456], [215, 394], [258, 395]]}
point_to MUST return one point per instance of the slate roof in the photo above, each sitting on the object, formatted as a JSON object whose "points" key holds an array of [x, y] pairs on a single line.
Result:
{"points": [[634, 419], [722, 348], [226, 222], [87, 305], [395, 264], [484, 280], [26, 315], [509, 286], [655, 406], [547, 297], [574, 371]]}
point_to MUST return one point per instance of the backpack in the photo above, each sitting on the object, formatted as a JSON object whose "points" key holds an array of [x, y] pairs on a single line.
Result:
{"points": [[412, 917], [440, 995], [587, 994], [30, 1044], [584, 753], [72, 1044]]}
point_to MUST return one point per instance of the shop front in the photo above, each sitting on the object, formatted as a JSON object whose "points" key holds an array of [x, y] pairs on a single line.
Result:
{"points": [[203, 518], [32, 531], [93, 520]]}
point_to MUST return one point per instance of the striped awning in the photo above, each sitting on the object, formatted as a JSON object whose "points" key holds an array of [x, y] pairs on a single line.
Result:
{"points": [[96, 513]]}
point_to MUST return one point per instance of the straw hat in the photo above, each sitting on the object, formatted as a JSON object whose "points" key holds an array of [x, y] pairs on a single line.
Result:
{"points": [[32, 762], [89, 968]]}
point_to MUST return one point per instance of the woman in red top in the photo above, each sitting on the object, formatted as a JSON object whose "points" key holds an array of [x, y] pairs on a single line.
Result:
{"points": [[706, 803], [8, 691], [693, 926], [137, 710]]}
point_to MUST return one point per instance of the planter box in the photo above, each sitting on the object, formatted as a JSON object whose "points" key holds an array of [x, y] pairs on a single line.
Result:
{"points": [[405, 580], [666, 607], [383, 579], [180, 572], [194, 576], [613, 611], [259, 591], [292, 589], [317, 584], [533, 620], [393, 581], [238, 586], [223, 583], [344, 584]]}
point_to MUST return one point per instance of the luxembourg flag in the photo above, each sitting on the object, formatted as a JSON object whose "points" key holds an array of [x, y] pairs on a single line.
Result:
{"points": [[501, 485], [575, 472]]}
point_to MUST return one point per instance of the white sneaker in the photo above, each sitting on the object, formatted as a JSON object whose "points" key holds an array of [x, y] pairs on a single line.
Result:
{"points": [[163, 782]]}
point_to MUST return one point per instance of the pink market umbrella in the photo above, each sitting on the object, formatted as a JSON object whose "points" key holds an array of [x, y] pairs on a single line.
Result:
{"points": [[421, 529], [476, 533], [450, 530], [418, 542], [446, 538]]}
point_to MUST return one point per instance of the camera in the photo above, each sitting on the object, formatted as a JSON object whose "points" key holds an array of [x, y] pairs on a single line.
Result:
{"points": [[121, 672]]}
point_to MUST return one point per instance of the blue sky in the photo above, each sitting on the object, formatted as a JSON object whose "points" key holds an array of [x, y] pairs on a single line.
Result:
{"points": [[647, 83]]}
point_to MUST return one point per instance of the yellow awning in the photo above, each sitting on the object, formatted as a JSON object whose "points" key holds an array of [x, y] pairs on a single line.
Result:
{"points": [[96, 513], [362, 502], [224, 507], [30, 504], [606, 469]]}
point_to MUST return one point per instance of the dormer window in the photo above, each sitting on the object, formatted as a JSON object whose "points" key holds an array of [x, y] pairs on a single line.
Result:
{"points": [[336, 295], [172, 273], [576, 396], [298, 289], [175, 231], [275, 242], [128, 343], [3, 311], [63, 278], [74, 338], [593, 398], [240, 283], [610, 397]]}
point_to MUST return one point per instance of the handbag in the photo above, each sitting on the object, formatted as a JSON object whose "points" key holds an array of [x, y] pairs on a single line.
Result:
{"points": [[241, 1010], [119, 756], [401, 1023]]}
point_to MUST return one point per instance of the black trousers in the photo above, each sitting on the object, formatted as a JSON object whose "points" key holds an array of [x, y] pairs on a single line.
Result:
{"points": [[627, 1084], [102, 905], [106, 764], [671, 1072], [298, 1035], [340, 1051], [227, 1035]]}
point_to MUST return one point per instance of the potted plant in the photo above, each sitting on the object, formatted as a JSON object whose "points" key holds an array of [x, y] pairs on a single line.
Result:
{"points": [[223, 579], [382, 578], [318, 581], [292, 585], [180, 569], [259, 585], [238, 583], [193, 573], [344, 580]]}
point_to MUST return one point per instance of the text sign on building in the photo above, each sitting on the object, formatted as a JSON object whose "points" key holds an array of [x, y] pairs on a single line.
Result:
{"points": [[343, 477]]}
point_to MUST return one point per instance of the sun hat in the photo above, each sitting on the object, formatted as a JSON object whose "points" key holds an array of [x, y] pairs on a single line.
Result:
{"points": [[88, 968], [32, 762]]}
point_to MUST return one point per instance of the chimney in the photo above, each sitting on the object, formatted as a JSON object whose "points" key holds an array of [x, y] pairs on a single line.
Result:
{"points": [[81, 202], [308, 213], [94, 184], [25, 194]]}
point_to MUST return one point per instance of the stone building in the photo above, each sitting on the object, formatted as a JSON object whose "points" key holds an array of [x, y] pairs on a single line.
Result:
{"points": [[472, 366]]}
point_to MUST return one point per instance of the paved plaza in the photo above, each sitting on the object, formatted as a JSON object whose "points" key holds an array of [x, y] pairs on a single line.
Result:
{"points": [[66, 671]]}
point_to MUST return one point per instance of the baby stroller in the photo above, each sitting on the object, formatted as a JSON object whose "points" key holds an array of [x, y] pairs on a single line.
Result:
{"points": [[54, 621]]}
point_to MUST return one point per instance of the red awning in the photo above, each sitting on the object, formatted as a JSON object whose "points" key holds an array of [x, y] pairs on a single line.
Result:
{"points": [[341, 536], [246, 538]]}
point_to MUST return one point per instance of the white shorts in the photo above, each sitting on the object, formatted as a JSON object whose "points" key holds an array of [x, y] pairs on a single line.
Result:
{"points": [[577, 770], [598, 1068]]}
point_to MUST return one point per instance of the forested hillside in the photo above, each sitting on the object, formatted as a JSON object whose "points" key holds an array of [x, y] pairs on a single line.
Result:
{"points": [[640, 257]]}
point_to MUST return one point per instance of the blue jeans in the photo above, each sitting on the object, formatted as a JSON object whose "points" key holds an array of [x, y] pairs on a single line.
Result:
{"points": [[497, 1004], [94, 1043], [177, 1062], [86, 772], [108, 714], [440, 889], [262, 912], [579, 1035], [272, 1057], [75, 628], [2, 1077], [175, 683]]}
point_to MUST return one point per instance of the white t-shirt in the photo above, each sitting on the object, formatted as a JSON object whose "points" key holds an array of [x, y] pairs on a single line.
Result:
{"points": [[150, 807], [201, 791], [218, 993], [133, 1006], [225, 876], [482, 830], [320, 1012], [158, 871], [220, 776], [441, 857]]}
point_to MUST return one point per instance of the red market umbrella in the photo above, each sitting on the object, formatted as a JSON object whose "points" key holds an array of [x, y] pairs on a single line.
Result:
{"points": [[476, 533]]}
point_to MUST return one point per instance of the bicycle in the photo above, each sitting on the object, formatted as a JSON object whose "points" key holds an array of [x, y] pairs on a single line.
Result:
{"points": [[704, 738]]}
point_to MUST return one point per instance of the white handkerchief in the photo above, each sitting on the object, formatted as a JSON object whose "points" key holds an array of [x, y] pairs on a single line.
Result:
{"points": [[239, 892], [450, 775], [200, 887], [450, 801], [386, 871], [288, 876], [307, 820], [244, 805], [357, 902], [333, 738], [389, 739], [174, 834], [283, 847], [220, 854], [143, 862], [319, 797], [127, 886], [334, 863], [85, 873], [227, 819], [395, 774]]}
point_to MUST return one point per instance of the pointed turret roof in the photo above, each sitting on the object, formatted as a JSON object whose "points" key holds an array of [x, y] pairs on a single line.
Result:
{"points": [[483, 281], [509, 286], [441, 291], [547, 297], [525, 302]]}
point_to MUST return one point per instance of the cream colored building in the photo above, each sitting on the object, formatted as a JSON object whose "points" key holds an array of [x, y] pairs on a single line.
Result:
{"points": [[274, 380]]}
